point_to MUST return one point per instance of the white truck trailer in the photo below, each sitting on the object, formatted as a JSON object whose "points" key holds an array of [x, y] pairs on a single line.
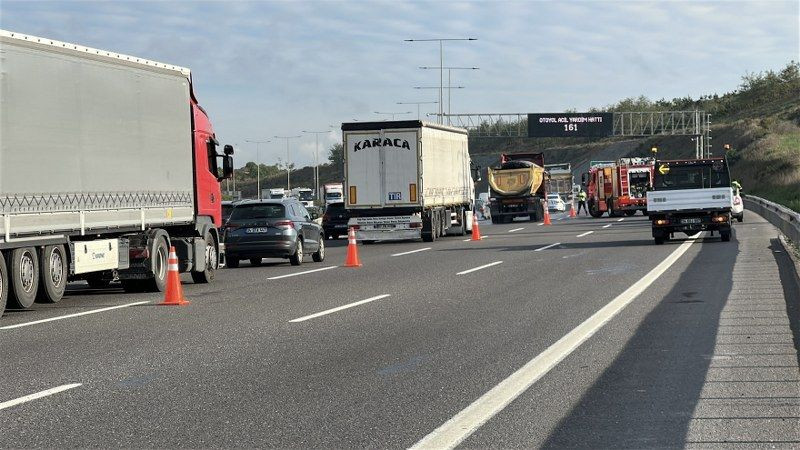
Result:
{"points": [[106, 160], [407, 180]]}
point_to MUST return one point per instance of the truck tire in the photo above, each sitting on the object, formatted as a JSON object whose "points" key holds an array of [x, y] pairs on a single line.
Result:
{"points": [[210, 261], [594, 211], [319, 255], [53, 274], [464, 223], [630, 212], [428, 232], [725, 235], [3, 283], [659, 240], [297, 258], [159, 255], [24, 277]]}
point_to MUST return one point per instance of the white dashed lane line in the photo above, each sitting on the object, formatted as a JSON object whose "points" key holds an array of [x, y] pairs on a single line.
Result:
{"points": [[585, 234]]}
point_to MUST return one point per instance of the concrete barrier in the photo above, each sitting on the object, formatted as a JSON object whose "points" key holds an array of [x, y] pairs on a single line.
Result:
{"points": [[782, 217]]}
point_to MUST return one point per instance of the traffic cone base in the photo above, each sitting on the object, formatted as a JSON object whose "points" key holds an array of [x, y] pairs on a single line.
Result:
{"points": [[173, 295], [476, 231], [352, 250]]}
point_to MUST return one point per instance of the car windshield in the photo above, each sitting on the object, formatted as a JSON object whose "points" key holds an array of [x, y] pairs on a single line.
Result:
{"points": [[693, 177], [306, 196], [330, 195], [552, 197], [258, 211]]}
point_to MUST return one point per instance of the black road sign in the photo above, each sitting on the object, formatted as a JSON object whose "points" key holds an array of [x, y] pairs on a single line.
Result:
{"points": [[571, 125]]}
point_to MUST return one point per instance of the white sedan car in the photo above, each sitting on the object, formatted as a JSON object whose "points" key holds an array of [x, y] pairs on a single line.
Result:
{"points": [[554, 203]]}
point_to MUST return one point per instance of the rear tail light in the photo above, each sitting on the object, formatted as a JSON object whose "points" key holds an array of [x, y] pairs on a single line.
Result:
{"points": [[719, 219], [284, 224], [662, 222]]}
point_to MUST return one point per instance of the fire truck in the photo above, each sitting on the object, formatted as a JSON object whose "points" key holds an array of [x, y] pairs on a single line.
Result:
{"points": [[618, 187]]}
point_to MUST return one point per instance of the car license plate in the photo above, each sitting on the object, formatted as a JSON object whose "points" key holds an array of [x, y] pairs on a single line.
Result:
{"points": [[256, 230], [690, 220], [384, 225]]}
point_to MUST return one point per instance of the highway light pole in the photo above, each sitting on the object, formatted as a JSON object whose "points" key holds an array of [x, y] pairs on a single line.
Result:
{"points": [[392, 113], [288, 169], [416, 103], [449, 84], [258, 165], [316, 159], [441, 65], [449, 88]]}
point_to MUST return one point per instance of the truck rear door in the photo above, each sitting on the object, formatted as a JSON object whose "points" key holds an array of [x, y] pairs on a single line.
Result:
{"points": [[382, 168]]}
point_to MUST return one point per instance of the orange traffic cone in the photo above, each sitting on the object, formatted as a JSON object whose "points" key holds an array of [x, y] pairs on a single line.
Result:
{"points": [[352, 250], [546, 217], [572, 211], [476, 231], [174, 293]]}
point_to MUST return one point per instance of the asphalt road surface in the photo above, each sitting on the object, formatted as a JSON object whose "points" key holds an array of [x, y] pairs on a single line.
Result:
{"points": [[580, 334]]}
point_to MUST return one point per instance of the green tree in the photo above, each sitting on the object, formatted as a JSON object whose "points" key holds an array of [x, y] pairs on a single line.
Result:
{"points": [[336, 155]]}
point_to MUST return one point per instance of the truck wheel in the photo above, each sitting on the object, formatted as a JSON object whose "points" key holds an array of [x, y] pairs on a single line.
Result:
{"points": [[740, 218], [53, 274], [3, 284], [319, 255], [659, 240], [725, 235], [630, 212], [210, 261], [24, 277], [428, 231], [159, 255], [464, 222], [297, 258]]}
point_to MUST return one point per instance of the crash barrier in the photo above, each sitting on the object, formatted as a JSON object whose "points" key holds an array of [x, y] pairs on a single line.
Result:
{"points": [[782, 217]]}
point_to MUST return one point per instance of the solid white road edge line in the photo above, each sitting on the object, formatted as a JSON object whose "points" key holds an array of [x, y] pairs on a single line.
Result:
{"points": [[69, 316], [516, 229], [38, 395], [606, 226], [620, 220], [301, 273], [547, 246], [412, 251], [468, 420], [474, 269], [339, 308], [585, 234]]}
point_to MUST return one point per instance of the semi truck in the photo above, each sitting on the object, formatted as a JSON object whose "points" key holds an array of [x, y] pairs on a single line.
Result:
{"points": [[275, 193], [518, 187], [618, 187], [106, 160], [333, 193], [407, 180], [689, 196], [305, 195]]}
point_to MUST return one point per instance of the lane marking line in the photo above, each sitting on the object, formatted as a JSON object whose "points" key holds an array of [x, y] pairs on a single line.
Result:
{"points": [[301, 273], [585, 234], [482, 237], [468, 420], [412, 251], [69, 316], [38, 395], [516, 229], [547, 246], [474, 269], [606, 226], [540, 224], [620, 220], [339, 308]]}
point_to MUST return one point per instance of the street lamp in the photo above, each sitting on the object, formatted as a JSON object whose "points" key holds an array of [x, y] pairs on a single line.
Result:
{"points": [[392, 113], [441, 64], [316, 159], [449, 84], [258, 164], [288, 181], [416, 103]]}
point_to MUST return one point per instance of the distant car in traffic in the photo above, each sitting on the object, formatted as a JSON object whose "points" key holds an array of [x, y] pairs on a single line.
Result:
{"points": [[555, 203], [737, 211], [334, 221], [280, 228]]}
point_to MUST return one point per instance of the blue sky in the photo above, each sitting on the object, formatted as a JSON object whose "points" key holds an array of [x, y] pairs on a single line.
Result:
{"points": [[276, 68]]}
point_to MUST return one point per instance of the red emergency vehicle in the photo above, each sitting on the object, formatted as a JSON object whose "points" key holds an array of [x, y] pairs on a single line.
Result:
{"points": [[619, 187]]}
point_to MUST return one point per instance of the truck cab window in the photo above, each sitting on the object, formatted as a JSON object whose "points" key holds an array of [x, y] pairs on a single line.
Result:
{"points": [[211, 153]]}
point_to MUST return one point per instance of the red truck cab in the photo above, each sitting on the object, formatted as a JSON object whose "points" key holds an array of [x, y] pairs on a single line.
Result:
{"points": [[619, 187]]}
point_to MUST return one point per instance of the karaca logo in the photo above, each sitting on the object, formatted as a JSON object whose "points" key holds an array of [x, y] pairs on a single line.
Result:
{"points": [[378, 142]]}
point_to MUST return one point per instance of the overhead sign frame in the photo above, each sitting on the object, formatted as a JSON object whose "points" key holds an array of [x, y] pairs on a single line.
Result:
{"points": [[584, 124]]}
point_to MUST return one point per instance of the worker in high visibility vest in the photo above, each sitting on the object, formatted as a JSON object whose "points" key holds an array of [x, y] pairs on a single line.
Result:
{"points": [[736, 185], [582, 202]]}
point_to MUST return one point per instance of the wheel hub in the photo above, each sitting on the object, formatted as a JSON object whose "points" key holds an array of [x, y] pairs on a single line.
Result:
{"points": [[56, 268], [26, 272]]}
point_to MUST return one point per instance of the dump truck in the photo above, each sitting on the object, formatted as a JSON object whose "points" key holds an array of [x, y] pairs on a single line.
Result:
{"points": [[106, 160], [407, 180], [518, 187], [689, 196], [619, 187]]}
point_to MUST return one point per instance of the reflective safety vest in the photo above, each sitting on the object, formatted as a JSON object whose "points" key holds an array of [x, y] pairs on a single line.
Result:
{"points": [[736, 185], [582, 196]]}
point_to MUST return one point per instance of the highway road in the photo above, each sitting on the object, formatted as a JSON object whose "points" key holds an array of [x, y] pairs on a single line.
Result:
{"points": [[580, 334]]}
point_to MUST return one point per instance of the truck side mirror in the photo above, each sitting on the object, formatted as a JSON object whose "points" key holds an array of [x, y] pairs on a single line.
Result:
{"points": [[476, 169], [583, 178], [228, 149], [227, 166]]}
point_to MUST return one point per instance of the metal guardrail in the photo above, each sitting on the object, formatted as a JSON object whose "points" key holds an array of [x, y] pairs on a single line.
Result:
{"points": [[782, 217]]}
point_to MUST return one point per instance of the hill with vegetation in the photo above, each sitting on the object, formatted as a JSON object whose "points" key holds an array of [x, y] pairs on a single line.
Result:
{"points": [[760, 119]]}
